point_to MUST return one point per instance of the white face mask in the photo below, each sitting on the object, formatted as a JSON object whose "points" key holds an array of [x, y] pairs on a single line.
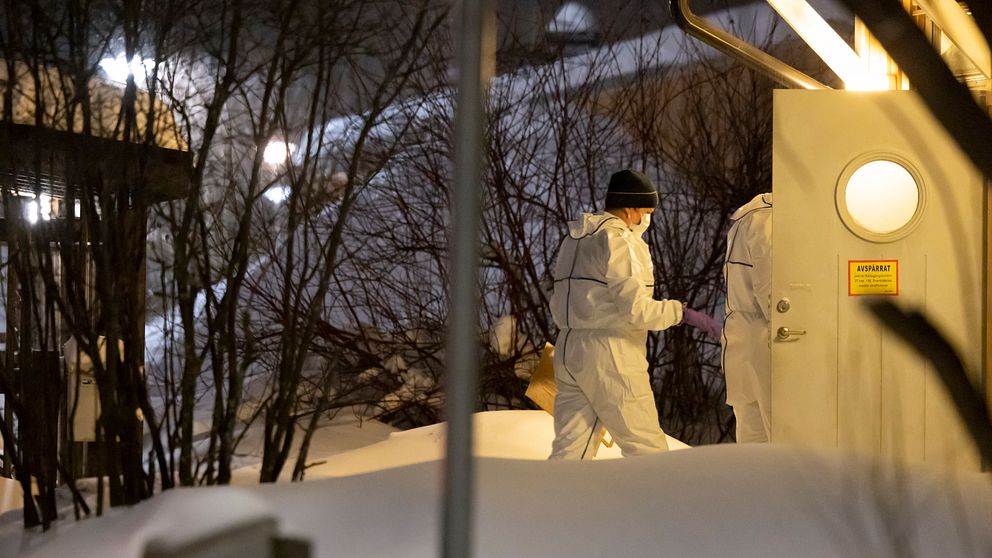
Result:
{"points": [[642, 227]]}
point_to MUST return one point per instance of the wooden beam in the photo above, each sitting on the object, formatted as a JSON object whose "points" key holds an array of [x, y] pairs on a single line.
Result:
{"points": [[41, 157]]}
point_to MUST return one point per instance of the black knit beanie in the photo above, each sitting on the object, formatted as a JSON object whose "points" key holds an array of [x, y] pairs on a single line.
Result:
{"points": [[630, 189]]}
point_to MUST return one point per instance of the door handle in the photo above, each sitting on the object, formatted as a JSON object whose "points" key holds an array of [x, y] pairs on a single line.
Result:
{"points": [[785, 333]]}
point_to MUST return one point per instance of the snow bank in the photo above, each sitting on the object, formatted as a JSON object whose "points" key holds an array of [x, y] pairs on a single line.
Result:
{"points": [[172, 518], [726, 500], [503, 434], [752, 500], [342, 436]]}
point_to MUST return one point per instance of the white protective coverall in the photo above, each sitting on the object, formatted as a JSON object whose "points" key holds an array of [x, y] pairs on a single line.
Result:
{"points": [[603, 305], [746, 331]]}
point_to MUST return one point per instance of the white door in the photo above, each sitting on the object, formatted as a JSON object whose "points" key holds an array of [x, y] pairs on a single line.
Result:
{"points": [[872, 198]]}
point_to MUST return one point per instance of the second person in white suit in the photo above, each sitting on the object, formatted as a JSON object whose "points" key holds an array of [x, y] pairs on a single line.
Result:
{"points": [[746, 334]]}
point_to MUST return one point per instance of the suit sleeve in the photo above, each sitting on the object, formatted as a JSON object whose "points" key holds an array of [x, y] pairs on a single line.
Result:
{"points": [[761, 259], [631, 298]]}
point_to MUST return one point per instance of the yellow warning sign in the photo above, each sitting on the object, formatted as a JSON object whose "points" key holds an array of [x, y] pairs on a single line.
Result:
{"points": [[873, 277]]}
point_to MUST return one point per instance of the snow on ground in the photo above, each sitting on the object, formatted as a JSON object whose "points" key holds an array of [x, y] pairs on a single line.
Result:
{"points": [[752, 500], [344, 434], [713, 501], [503, 434], [347, 445]]}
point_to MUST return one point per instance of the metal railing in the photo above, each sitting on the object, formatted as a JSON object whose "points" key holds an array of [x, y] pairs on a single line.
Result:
{"points": [[740, 50]]}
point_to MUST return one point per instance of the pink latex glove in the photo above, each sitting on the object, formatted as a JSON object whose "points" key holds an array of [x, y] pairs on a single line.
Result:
{"points": [[702, 322]]}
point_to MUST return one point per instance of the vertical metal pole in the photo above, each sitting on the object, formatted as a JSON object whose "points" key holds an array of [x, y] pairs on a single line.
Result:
{"points": [[476, 59]]}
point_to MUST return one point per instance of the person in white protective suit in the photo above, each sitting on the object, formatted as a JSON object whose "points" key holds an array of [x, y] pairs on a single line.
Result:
{"points": [[747, 270], [603, 306]]}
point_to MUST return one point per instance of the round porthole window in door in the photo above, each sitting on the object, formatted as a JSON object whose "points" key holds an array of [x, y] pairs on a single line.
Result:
{"points": [[880, 197]]}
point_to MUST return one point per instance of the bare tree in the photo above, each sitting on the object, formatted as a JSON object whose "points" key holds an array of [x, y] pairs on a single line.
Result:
{"points": [[224, 87], [556, 131], [300, 268]]}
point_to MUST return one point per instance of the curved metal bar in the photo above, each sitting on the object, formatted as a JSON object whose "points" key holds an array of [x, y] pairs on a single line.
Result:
{"points": [[738, 49]]}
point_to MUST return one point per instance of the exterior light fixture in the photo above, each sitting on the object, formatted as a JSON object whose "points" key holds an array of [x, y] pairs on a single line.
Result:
{"points": [[31, 211], [277, 194], [118, 69], [38, 209], [829, 46], [277, 151]]}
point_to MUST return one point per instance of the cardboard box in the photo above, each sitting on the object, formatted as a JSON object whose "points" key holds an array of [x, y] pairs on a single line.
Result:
{"points": [[542, 388]]}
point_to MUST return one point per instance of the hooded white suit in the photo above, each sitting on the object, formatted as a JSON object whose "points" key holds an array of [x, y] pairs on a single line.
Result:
{"points": [[603, 305], [746, 331]]}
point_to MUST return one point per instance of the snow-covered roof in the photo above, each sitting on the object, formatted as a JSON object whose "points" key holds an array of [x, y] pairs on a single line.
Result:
{"points": [[653, 51], [572, 18]]}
